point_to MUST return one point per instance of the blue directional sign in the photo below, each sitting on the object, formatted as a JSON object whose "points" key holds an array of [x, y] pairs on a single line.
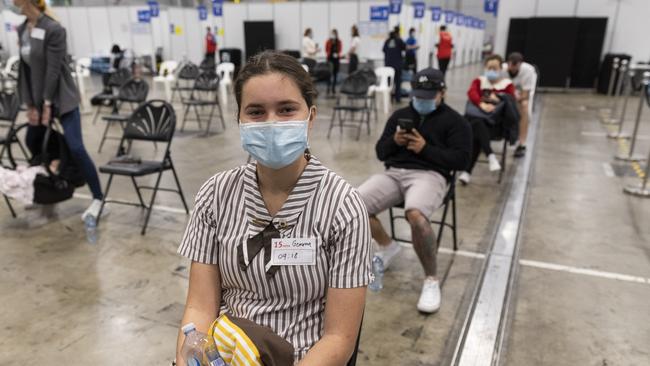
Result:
{"points": [[491, 6], [460, 19], [144, 16], [217, 8], [418, 10], [154, 8], [395, 6], [379, 13], [203, 12], [436, 13], [449, 16]]}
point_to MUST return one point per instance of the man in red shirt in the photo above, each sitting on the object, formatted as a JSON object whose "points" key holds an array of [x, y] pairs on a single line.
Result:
{"points": [[210, 45], [444, 46]]}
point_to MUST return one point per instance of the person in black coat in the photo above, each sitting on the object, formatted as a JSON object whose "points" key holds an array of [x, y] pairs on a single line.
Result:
{"points": [[394, 48]]}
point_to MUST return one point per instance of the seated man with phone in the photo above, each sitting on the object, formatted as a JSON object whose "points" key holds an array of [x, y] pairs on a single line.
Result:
{"points": [[420, 146]]}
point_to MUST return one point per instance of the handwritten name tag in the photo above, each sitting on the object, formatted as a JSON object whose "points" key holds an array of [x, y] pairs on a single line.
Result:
{"points": [[293, 251], [38, 33]]}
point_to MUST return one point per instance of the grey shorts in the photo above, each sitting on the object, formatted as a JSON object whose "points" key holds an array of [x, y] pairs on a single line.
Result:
{"points": [[423, 190]]}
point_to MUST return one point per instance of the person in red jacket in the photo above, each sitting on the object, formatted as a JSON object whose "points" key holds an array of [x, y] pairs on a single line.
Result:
{"points": [[210, 44], [333, 50], [483, 93], [444, 46]]}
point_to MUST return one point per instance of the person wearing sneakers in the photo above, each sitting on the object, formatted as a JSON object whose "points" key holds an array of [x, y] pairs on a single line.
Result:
{"points": [[46, 86], [523, 77], [484, 109], [421, 145]]}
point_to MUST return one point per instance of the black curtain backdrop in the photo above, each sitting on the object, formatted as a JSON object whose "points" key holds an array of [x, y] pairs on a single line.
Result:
{"points": [[258, 36]]}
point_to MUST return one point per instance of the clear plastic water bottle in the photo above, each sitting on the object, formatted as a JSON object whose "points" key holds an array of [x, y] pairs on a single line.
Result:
{"points": [[91, 229], [378, 271], [199, 349]]}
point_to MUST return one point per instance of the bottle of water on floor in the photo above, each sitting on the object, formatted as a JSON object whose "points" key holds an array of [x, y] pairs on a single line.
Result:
{"points": [[198, 349], [378, 271], [90, 224]]}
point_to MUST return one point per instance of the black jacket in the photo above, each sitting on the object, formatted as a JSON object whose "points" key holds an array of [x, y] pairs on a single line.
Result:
{"points": [[393, 48], [448, 136]]}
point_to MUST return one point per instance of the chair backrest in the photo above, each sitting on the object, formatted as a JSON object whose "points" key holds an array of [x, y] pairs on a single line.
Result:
{"points": [[226, 70], [207, 81], [207, 64], [189, 71], [369, 74], [134, 90], [355, 85], [119, 77], [167, 68], [154, 120], [310, 62], [11, 67], [9, 107], [305, 67], [386, 76]]}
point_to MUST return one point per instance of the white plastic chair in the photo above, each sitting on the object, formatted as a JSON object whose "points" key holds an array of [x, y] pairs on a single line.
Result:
{"points": [[386, 76], [81, 72], [226, 71], [10, 73], [166, 76]]}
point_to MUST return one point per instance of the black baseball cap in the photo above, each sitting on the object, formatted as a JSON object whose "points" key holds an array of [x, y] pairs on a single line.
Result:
{"points": [[427, 83]]}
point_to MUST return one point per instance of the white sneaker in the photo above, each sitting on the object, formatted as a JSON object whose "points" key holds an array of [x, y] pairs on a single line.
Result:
{"points": [[464, 177], [430, 297], [388, 252], [494, 163], [93, 210]]}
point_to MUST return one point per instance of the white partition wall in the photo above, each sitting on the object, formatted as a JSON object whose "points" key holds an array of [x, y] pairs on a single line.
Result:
{"points": [[234, 16], [342, 16], [288, 32], [177, 43], [194, 35], [100, 30], [315, 15], [259, 11]]}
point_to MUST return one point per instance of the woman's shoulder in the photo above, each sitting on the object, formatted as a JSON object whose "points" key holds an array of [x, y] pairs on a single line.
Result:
{"points": [[50, 23]]}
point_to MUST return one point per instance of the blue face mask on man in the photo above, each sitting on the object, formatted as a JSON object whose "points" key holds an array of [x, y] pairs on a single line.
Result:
{"points": [[274, 144], [424, 106], [492, 75]]}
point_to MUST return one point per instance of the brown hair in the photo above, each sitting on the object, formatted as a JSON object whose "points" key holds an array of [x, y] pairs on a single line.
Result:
{"points": [[307, 31], [493, 57], [516, 58], [355, 31], [269, 62]]}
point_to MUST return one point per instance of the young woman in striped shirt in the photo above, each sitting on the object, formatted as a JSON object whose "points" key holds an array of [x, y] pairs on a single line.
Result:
{"points": [[314, 301]]}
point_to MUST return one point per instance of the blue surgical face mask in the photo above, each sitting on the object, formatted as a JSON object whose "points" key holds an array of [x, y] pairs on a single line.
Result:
{"points": [[274, 144], [424, 106], [492, 75]]}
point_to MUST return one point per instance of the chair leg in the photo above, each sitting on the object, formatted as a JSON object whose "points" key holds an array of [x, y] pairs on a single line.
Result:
{"points": [[392, 223], [223, 122], [11, 208], [99, 107], [453, 221], [207, 128], [329, 132], [150, 208], [23, 149], [101, 143], [180, 190], [504, 154], [187, 109], [137, 190], [441, 227], [198, 117], [101, 208]]}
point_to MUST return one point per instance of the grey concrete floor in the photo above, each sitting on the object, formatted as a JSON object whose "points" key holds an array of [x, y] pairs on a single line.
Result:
{"points": [[578, 217], [120, 301]]}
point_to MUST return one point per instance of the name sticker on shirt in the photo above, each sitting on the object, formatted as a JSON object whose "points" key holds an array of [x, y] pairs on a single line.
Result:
{"points": [[38, 33], [293, 251]]}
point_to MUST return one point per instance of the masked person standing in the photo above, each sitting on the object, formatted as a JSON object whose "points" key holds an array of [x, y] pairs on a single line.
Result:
{"points": [[334, 50], [421, 145], [445, 46], [46, 87], [394, 57], [244, 217]]}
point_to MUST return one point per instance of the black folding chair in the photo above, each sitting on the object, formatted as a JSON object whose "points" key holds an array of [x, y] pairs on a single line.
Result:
{"points": [[204, 94], [153, 121], [353, 102], [187, 73], [449, 199], [108, 96], [9, 109], [133, 92]]}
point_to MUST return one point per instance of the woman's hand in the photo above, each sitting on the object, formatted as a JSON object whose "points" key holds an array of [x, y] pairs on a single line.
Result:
{"points": [[487, 107], [32, 116], [46, 115]]}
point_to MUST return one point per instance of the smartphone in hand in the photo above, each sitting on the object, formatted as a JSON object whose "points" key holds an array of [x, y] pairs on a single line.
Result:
{"points": [[406, 124]]}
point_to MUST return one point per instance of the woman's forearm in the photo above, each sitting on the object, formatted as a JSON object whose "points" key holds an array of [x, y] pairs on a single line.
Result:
{"points": [[331, 350], [202, 319]]}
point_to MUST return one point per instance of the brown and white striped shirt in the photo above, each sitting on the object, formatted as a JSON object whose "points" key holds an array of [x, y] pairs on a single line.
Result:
{"points": [[229, 209]]}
